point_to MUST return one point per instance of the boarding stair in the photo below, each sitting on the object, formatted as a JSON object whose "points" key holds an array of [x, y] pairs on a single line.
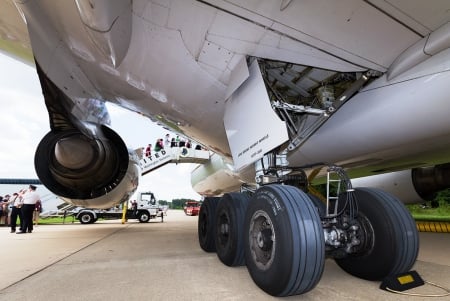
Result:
{"points": [[173, 155]]}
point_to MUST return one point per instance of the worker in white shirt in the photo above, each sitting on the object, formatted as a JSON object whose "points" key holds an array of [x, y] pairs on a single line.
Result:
{"points": [[29, 202], [16, 201]]}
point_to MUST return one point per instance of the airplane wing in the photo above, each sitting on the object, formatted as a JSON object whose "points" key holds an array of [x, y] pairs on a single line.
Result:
{"points": [[276, 89]]}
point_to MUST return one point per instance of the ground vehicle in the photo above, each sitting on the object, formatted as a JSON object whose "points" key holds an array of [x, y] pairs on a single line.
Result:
{"points": [[192, 208], [146, 208]]}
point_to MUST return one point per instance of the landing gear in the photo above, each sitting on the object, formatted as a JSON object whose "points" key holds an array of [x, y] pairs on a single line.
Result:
{"points": [[283, 234], [230, 215], [207, 224], [392, 233], [284, 243]]}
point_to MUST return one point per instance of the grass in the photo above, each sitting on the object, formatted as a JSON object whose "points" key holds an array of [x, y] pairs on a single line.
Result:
{"points": [[55, 220], [420, 212]]}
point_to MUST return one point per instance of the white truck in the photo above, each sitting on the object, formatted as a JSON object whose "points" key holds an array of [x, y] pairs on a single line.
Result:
{"points": [[145, 208]]}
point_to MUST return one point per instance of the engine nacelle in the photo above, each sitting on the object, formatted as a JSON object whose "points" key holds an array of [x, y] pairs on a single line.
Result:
{"points": [[410, 186], [96, 172]]}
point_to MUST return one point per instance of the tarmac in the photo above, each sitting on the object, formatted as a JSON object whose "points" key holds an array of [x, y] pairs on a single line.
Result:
{"points": [[109, 260]]}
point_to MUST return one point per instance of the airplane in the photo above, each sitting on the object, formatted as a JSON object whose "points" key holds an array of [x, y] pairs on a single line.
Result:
{"points": [[285, 93]]}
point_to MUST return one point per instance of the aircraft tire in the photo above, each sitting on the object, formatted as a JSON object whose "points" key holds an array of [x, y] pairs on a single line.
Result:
{"points": [[283, 241], [206, 224], [230, 215], [321, 207], [396, 240]]}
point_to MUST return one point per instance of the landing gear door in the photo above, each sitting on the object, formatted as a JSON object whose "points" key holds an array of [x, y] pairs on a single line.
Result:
{"points": [[252, 127]]}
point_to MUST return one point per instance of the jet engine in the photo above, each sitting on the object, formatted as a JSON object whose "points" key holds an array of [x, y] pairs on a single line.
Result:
{"points": [[410, 186], [93, 171]]}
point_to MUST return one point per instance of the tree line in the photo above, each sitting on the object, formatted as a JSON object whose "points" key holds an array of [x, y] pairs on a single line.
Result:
{"points": [[442, 199], [176, 203]]}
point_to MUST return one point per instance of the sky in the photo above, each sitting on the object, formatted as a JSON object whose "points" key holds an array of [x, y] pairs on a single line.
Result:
{"points": [[24, 121]]}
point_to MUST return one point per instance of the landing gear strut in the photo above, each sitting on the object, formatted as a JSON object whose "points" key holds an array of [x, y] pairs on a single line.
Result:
{"points": [[286, 234]]}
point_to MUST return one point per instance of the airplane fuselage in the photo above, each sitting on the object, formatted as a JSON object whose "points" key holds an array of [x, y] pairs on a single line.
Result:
{"points": [[179, 74]]}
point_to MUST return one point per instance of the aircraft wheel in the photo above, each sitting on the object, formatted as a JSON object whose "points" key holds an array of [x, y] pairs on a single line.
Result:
{"points": [[283, 241], [206, 224], [230, 215], [393, 237]]}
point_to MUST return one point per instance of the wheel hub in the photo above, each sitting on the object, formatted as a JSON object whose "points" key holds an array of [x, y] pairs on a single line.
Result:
{"points": [[350, 236], [224, 229], [262, 240]]}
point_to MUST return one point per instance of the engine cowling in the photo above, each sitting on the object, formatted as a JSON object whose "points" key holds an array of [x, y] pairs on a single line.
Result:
{"points": [[410, 186], [95, 171]]}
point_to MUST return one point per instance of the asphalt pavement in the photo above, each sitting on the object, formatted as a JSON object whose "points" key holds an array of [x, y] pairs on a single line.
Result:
{"points": [[109, 260]]}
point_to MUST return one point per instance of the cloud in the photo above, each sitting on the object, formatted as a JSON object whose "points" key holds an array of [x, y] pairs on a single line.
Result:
{"points": [[24, 119]]}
